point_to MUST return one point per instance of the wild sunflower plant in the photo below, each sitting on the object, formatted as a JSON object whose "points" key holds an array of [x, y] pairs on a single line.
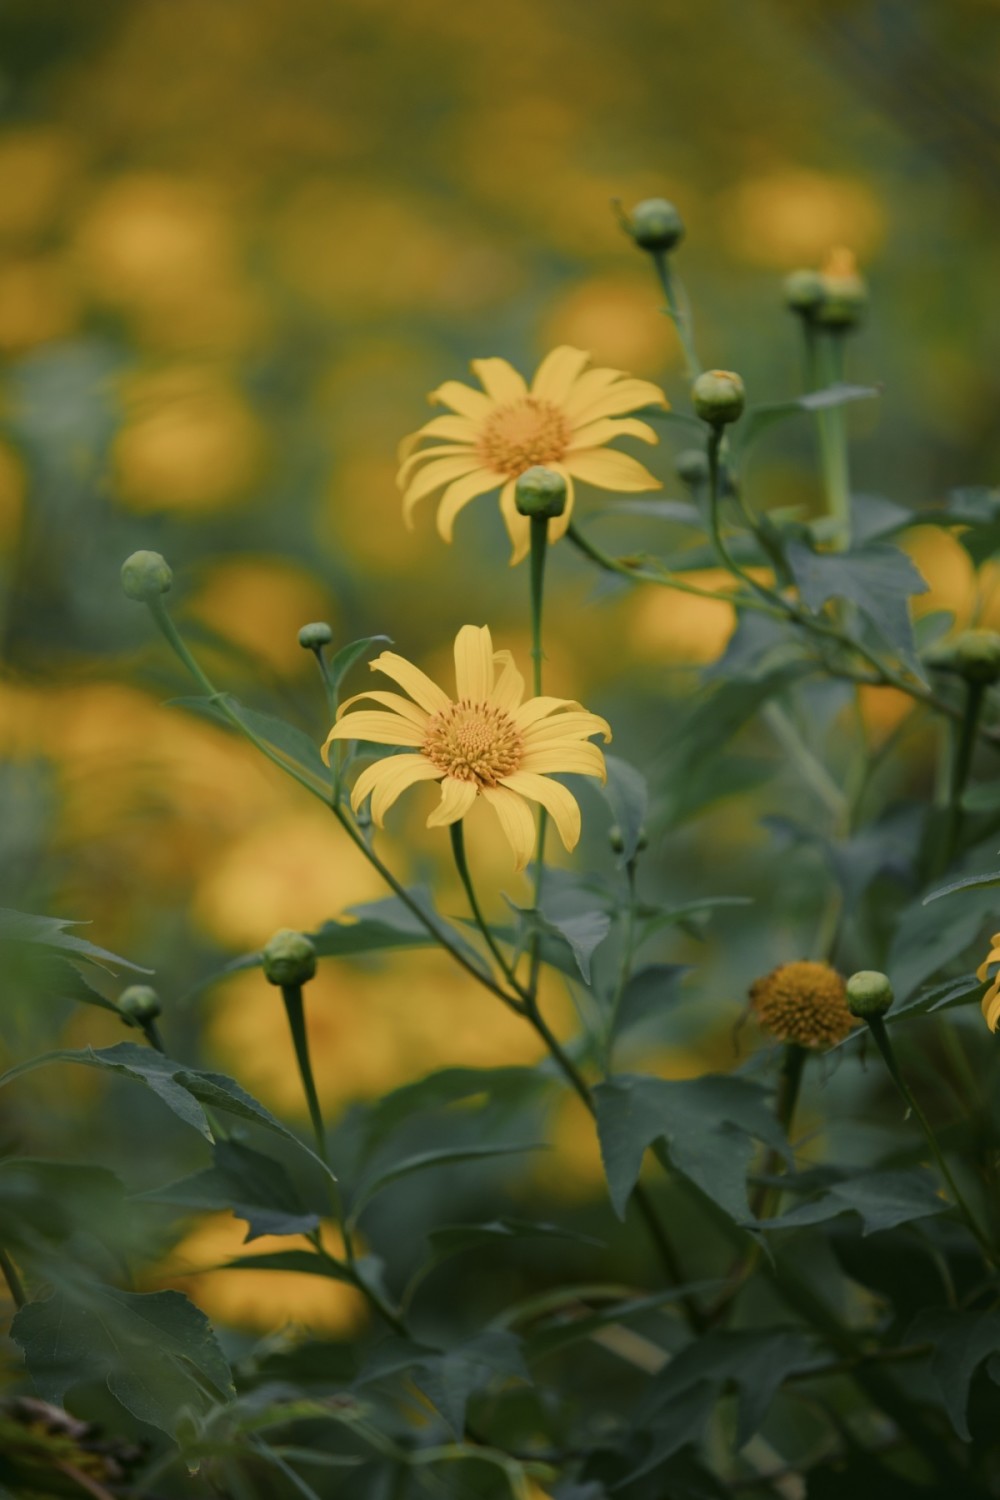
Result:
{"points": [[761, 1303]]}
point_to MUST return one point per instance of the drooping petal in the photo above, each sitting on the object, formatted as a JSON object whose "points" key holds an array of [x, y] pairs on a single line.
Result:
{"points": [[515, 820], [508, 690], [437, 474], [459, 493], [379, 728], [395, 701], [438, 451], [610, 470], [386, 779], [554, 798], [464, 399], [596, 434], [557, 372], [576, 724], [456, 799], [501, 381], [421, 688], [625, 395], [518, 526], [579, 757], [474, 663], [559, 525], [991, 1005], [459, 429]]}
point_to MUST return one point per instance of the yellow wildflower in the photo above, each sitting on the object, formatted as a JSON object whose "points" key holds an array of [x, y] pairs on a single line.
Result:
{"points": [[484, 743], [804, 1003], [991, 999], [490, 437]]}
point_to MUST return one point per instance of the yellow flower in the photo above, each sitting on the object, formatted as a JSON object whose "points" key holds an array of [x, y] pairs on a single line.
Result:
{"points": [[564, 422], [483, 743], [991, 1000], [803, 1002]]}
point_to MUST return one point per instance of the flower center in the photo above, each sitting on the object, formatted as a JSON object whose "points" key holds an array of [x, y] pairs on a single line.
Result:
{"points": [[523, 434], [473, 742]]}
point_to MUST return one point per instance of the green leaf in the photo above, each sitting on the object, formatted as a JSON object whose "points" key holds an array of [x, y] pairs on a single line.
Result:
{"points": [[627, 794], [301, 1262], [292, 744], [647, 994], [759, 418], [952, 992], [928, 938], [877, 579], [563, 1332], [962, 1341], [156, 1351], [446, 1156], [709, 1125], [490, 1086], [53, 1200], [449, 1379], [255, 1187], [884, 1200], [455, 1239], [51, 933], [968, 883], [343, 660]]}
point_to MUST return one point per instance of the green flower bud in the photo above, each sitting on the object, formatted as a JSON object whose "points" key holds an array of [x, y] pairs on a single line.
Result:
{"points": [[692, 466], [974, 655], [145, 576], [869, 994], [617, 842], [718, 397], [845, 295], [804, 291], [139, 1005], [655, 224], [540, 492], [289, 958], [315, 636]]}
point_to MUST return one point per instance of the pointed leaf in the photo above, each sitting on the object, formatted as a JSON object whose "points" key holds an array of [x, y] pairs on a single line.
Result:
{"points": [[627, 794], [962, 1340], [255, 1187]]}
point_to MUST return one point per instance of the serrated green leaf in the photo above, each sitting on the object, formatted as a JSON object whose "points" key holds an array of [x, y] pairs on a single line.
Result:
{"points": [[440, 1090], [647, 994], [253, 1186], [51, 933], [450, 1378], [962, 1341], [883, 1200], [877, 579], [759, 418]]}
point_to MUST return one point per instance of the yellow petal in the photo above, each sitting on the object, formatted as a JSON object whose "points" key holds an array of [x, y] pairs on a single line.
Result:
{"points": [[501, 381], [420, 687], [458, 429], [610, 470], [557, 372], [434, 477], [380, 729], [623, 396], [576, 724], [991, 958], [474, 663], [540, 708], [554, 798], [463, 399], [596, 434], [991, 1005], [518, 526], [386, 779], [559, 525], [515, 820], [456, 799], [444, 450], [458, 495], [586, 390], [508, 690], [395, 701], [580, 758]]}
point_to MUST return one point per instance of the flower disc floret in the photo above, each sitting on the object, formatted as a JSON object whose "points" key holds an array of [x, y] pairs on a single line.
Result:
{"points": [[803, 1002], [565, 421], [485, 742]]}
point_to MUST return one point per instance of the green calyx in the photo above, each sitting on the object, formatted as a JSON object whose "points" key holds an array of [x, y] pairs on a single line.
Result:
{"points": [[145, 576], [289, 958], [139, 1005], [869, 993], [540, 493], [656, 225], [315, 636], [718, 397]]}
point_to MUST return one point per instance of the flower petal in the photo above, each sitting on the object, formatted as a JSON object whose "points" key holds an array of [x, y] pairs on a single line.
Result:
{"points": [[557, 372], [596, 434], [474, 663], [540, 708], [437, 474], [559, 525], [443, 450], [458, 495], [464, 399], [458, 429], [378, 728], [579, 757], [518, 526], [421, 688], [554, 798], [501, 381], [386, 779], [578, 724], [610, 470], [515, 820], [587, 389], [395, 701], [991, 1005], [508, 690], [456, 799], [624, 395]]}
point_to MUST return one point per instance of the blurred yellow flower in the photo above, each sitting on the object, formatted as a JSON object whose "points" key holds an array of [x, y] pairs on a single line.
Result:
{"points": [[484, 743], [790, 217], [564, 422], [803, 1002], [259, 603], [991, 999]]}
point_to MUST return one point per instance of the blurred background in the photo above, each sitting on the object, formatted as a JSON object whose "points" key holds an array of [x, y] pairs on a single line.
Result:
{"points": [[240, 240]]}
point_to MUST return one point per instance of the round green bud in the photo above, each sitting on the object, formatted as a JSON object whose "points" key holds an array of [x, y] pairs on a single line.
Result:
{"points": [[656, 225], [844, 302], [617, 842], [804, 291], [692, 466], [145, 576], [315, 636], [289, 958], [869, 993], [139, 1004], [541, 493], [718, 397], [974, 655]]}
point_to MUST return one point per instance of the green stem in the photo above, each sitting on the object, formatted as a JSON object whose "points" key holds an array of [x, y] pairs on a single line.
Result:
{"points": [[539, 547], [813, 772], [767, 1199], [14, 1283], [965, 742], [834, 459], [152, 1034], [624, 964], [295, 1011], [879, 1031], [462, 866], [678, 314]]}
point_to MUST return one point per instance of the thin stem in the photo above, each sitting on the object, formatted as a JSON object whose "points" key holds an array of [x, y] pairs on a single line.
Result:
{"points": [[295, 1011], [677, 311], [879, 1031], [965, 741], [767, 1199], [462, 866], [834, 459], [14, 1283], [152, 1034], [624, 963], [813, 772], [539, 547]]}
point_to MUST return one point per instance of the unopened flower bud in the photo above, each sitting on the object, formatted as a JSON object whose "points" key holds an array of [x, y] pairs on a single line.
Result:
{"points": [[139, 1005], [974, 655], [804, 291], [869, 993], [289, 958], [655, 224], [145, 576], [540, 492], [692, 466], [617, 841], [718, 397], [315, 636], [845, 294]]}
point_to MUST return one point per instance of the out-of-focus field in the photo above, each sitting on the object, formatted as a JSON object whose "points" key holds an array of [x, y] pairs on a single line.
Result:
{"points": [[239, 242]]}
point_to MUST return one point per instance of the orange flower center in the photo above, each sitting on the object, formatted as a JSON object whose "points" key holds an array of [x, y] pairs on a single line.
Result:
{"points": [[474, 742], [525, 433]]}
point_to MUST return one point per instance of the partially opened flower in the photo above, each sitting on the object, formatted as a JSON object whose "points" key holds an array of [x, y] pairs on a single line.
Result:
{"points": [[485, 742], [564, 422], [991, 999]]}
